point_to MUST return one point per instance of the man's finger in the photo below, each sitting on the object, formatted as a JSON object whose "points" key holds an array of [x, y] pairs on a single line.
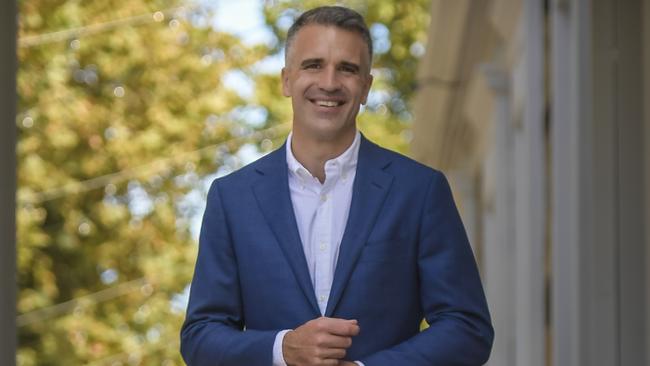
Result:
{"points": [[335, 341], [341, 327], [332, 353]]}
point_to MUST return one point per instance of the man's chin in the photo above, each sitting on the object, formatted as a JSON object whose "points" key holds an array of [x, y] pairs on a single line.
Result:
{"points": [[331, 133]]}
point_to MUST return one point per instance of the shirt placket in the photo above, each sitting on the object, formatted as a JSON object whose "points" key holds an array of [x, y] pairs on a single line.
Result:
{"points": [[321, 249]]}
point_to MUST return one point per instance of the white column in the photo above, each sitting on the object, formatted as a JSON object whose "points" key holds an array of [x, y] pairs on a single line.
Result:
{"points": [[498, 222], [598, 284], [7, 183], [530, 184], [564, 201]]}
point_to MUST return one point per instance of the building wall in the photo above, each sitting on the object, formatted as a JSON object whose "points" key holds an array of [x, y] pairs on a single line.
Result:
{"points": [[631, 285], [555, 176], [7, 183]]}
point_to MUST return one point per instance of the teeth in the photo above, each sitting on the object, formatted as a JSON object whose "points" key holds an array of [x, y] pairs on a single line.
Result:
{"points": [[327, 103]]}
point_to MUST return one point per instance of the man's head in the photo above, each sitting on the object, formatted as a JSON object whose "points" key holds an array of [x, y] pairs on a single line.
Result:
{"points": [[327, 73], [334, 16]]}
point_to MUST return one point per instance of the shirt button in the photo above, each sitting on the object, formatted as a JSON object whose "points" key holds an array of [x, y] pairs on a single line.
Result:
{"points": [[322, 298], [323, 197], [322, 246]]}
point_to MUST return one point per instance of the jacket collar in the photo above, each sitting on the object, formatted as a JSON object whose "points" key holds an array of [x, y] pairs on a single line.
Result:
{"points": [[369, 191]]}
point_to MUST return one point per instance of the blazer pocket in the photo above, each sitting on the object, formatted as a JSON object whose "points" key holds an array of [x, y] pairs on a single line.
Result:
{"points": [[385, 251]]}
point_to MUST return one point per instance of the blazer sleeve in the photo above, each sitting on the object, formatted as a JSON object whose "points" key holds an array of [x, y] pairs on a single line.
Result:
{"points": [[213, 332], [460, 331]]}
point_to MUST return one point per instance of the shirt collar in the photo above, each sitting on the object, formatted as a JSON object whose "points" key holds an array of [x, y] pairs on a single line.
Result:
{"points": [[346, 162]]}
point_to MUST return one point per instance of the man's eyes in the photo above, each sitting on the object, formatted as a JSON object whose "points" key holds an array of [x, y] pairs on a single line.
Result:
{"points": [[344, 68], [350, 69]]}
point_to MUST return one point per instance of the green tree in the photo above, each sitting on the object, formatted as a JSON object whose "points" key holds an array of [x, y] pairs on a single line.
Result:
{"points": [[123, 117], [141, 97]]}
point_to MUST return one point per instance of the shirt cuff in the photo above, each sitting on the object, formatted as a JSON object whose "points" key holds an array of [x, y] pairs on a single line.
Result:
{"points": [[359, 363], [278, 357]]}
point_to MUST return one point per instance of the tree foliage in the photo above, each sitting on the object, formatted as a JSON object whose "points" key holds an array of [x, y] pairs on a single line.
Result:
{"points": [[121, 122]]}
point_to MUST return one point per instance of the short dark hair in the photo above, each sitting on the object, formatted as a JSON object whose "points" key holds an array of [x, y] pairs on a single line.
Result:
{"points": [[337, 16]]}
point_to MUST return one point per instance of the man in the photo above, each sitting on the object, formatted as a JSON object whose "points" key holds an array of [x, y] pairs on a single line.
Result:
{"points": [[331, 250]]}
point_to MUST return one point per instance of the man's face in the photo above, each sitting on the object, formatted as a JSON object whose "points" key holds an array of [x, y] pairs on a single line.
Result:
{"points": [[327, 76]]}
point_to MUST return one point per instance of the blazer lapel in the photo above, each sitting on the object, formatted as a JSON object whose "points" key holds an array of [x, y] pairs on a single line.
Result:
{"points": [[371, 184], [274, 199]]}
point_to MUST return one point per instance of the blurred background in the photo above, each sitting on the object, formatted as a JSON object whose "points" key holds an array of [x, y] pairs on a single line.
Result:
{"points": [[537, 111]]}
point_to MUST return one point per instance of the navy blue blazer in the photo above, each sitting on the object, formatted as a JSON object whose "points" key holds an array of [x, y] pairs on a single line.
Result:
{"points": [[404, 257]]}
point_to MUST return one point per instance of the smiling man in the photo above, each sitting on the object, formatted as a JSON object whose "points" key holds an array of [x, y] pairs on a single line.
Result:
{"points": [[331, 249]]}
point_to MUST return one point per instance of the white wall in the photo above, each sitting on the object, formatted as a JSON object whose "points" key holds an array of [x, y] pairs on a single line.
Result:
{"points": [[530, 188], [514, 172], [499, 221], [599, 285], [561, 190]]}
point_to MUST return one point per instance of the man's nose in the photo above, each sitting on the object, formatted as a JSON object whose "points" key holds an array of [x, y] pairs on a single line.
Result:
{"points": [[329, 79]]}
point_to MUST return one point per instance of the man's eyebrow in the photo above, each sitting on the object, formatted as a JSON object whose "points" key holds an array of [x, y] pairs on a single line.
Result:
{"points": [[351, 65], [311, 61]]}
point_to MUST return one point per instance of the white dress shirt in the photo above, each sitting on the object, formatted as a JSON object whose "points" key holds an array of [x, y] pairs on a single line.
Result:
{"points": [[321, 211]]}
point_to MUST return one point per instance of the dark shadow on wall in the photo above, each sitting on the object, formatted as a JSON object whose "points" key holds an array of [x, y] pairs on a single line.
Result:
{"points": [[7, 182]]}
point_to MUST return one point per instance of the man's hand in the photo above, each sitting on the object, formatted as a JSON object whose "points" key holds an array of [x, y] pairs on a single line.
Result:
{"points": [[321, 341]]}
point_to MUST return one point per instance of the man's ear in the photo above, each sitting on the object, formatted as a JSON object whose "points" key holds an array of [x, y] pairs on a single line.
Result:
{"points": [[285, 82], [364, 100]]}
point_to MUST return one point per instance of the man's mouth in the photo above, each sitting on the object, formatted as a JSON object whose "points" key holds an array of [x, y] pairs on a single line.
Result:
{"points": [[327, 103]]}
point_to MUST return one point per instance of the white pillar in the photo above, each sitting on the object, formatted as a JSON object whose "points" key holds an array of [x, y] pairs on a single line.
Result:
{"points": [[598, 281], [7, 183], [530, 185], [498, 222], [570, 79]]}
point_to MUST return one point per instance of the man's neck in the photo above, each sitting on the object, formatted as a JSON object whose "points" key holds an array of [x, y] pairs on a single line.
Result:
{"points": [[313, 154]]}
